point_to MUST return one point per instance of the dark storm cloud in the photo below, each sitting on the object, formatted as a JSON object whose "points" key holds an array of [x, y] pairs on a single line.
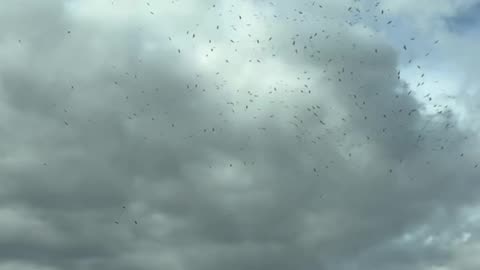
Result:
{"points": [[96, 121]]}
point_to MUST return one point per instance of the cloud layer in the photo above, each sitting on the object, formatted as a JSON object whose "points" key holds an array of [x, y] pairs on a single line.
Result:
{"points": [[237, 134]]}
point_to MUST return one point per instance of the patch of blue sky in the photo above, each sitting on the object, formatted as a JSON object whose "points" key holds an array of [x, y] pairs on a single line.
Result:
{"points": [[401, 32], [465, 22]]}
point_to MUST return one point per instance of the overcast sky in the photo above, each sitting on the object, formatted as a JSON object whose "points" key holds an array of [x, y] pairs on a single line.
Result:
{"points": [[239, 134]]}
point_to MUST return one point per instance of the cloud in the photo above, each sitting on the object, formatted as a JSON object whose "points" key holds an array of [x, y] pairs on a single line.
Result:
{"points": [[288, 138]]}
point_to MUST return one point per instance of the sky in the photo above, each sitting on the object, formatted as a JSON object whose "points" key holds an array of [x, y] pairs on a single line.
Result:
{"points": [[239, 134]]}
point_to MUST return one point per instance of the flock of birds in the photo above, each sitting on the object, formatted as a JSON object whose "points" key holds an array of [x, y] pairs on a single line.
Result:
{"points": [[302, 45]]}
